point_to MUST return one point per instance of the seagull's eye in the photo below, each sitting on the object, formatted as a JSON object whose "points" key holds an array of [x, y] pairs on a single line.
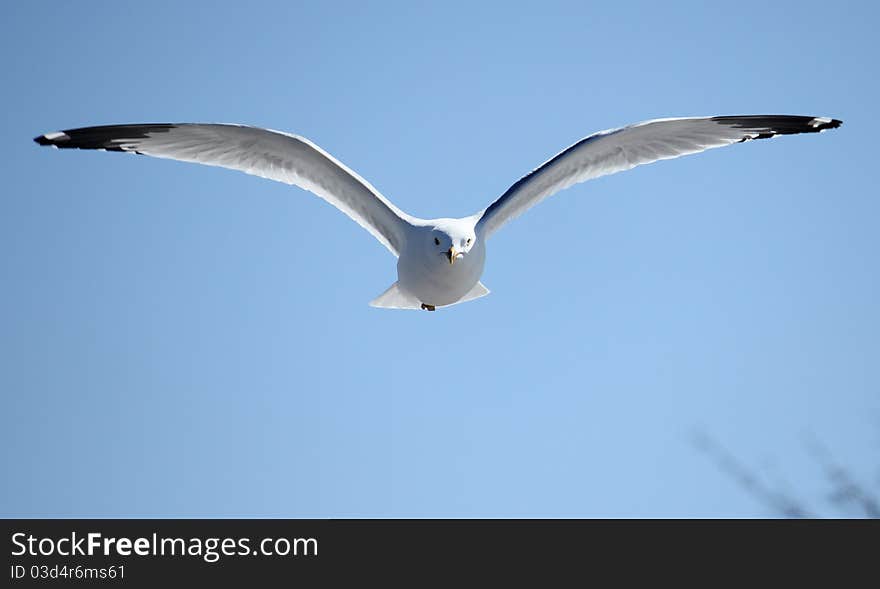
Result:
{"points": [[469, 241], [436, 241]]}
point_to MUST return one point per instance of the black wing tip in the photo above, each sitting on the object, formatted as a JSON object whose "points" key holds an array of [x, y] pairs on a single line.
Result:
{"points": [[53, 139], [107, 137], [767, 126], [823, 123]]}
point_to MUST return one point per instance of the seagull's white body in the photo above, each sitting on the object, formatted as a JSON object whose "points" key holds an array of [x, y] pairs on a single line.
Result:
{"points": [[440, 261], [425, 276]]}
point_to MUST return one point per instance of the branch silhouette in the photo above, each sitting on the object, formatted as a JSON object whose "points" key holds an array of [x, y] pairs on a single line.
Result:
{"points": [[846, 493], [845, 489], [778, 501]]}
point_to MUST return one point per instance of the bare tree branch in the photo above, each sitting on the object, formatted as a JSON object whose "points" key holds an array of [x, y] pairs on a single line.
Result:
{"points": [[846, 492], [779, 502], [844, 488]]}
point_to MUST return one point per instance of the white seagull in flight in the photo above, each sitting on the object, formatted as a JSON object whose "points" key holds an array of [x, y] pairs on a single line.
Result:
{"points": [[439, 261]]}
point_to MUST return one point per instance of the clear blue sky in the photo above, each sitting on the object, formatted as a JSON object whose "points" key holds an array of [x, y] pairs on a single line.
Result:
{"points": [[173, 343]]}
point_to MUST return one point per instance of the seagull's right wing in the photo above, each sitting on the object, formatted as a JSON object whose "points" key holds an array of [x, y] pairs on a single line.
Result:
{"points": [[616, 150], [270, 154]]}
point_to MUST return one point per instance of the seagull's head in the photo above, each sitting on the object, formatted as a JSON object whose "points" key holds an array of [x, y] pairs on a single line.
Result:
{"points": [[452, 243]]}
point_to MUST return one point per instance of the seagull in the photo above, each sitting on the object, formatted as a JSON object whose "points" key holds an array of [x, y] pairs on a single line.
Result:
{"points": [[439, 261]]}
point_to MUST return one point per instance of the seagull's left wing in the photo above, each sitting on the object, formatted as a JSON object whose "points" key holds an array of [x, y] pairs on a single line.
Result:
{"points": [[262, 152], [616, 150]]}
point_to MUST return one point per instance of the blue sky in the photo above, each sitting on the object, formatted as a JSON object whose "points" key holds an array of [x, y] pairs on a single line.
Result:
{"points": [[186, 341]]}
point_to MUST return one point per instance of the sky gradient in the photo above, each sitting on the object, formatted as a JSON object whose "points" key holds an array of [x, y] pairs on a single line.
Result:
{"points": [[187, 341]]}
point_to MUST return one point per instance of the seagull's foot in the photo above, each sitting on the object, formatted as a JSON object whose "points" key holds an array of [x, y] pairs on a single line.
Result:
{"points": [[428, 307]]}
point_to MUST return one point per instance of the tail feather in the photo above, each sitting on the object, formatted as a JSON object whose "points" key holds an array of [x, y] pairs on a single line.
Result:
{"points": [[396, 298]]}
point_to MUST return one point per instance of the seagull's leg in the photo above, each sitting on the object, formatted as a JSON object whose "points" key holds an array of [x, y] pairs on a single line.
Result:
{"points": [[428, 307]]}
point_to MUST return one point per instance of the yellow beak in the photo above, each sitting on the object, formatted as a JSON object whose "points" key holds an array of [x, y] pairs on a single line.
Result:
{"points": [[451, 253]]}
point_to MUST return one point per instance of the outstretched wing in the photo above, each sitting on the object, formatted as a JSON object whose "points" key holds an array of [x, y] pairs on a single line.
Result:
{"points": [[616, 150], [270, 154]]}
